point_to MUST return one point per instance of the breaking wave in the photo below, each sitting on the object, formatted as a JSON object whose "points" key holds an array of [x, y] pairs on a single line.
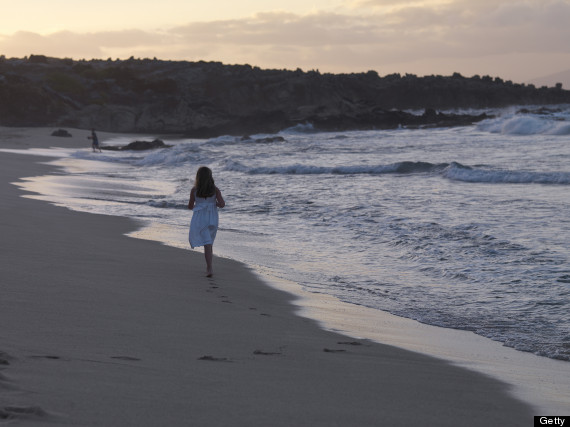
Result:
{"points": [[300, 129], [527, 124], [453, 171], [505, 176], [300, 169]]}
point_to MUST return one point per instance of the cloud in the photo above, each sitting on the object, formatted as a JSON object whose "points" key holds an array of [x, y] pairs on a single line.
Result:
{"points": [[458, 35], [484, 27], [382, 3], [284, 29], [76, 45], [66, 44]]}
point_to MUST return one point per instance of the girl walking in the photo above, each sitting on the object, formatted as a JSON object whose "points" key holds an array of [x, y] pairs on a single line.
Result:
{"points": [[205, 199]]}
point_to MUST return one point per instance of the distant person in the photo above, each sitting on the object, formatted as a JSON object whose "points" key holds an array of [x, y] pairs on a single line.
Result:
{"points": [[205, 199], [94, 141]]}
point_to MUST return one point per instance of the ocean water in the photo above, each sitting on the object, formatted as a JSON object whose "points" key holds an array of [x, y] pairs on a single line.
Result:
{"points": [[465, 227]]}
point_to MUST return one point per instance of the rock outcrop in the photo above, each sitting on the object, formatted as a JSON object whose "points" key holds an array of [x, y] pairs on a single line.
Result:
{"points": [[137, 146], [61, 133], [203, 99]]}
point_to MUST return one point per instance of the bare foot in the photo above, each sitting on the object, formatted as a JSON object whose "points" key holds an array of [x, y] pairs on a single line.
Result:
{"points": [[209, 273]]}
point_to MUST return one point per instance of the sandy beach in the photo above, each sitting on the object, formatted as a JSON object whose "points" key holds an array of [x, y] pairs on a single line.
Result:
{"points": [[100, 329]]}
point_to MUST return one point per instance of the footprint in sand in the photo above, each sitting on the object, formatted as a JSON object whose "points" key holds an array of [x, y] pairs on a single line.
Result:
{"points": [[5, 358], [15, 412], [331, 350], [349, 343], [134, 359], [47, 356], [214, 359]]}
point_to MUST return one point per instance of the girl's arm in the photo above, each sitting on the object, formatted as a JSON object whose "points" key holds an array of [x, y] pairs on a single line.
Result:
{"points": [[192, 199], [219, 199]]}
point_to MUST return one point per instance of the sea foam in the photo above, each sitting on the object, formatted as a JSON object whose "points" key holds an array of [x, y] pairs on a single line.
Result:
{"points": [[526, 124]]}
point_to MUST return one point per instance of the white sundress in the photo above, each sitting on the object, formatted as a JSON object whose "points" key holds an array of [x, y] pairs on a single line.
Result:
{"points": [[204, 223]]}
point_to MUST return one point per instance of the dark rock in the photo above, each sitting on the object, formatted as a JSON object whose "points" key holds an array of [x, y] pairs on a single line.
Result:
{"points": [[145, 145], [138, 146], [61, 132], [111, 147], [270, 139], [266, 140], [429, 113]]}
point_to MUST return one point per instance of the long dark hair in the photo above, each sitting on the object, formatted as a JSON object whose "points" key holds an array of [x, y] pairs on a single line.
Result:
{"points": [[204, 182]]}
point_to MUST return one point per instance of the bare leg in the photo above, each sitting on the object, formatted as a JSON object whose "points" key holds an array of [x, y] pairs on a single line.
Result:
{"points": [[208, 254]]}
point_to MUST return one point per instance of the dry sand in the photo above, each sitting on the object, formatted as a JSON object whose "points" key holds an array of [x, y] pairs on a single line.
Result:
{"points": [[99, 329]]}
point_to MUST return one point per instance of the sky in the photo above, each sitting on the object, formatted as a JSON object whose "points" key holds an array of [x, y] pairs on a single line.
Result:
{"points": [[518, 40]]}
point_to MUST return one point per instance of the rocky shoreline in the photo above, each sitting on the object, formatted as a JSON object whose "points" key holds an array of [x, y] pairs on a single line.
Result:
{"points": [[206, 99]]}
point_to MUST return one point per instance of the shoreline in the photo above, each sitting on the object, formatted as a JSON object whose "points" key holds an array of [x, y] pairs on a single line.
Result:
{"points": [[539, 380], [298, 357]]}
